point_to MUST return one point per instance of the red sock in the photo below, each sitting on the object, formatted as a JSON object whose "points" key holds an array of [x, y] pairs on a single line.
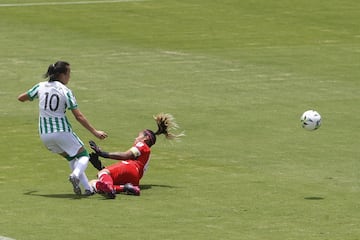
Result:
{"points": [[119, 188], [105, 178]]}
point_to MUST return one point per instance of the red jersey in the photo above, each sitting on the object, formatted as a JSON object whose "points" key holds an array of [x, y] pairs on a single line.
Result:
{"points": [[141, 152], [132, 170]]}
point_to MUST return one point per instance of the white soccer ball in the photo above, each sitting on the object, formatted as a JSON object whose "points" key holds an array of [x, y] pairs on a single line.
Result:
{"points": [[310, 120]]}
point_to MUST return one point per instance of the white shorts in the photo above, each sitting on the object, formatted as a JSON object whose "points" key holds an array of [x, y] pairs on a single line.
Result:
{"points": [[60, 142]]}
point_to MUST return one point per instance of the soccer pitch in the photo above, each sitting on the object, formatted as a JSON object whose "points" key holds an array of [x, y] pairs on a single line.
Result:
{"points": [[237, 75]]}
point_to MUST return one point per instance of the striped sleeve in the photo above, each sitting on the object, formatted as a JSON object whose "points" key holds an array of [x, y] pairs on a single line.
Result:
{"points": [[71, 100], [33, 92]]}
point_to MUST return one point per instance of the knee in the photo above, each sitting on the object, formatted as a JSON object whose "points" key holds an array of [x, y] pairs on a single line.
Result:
{"points": [[102, 172]]}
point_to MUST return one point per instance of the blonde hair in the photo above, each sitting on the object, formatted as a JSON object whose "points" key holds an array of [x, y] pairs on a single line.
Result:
{"points": [[166, 125]]}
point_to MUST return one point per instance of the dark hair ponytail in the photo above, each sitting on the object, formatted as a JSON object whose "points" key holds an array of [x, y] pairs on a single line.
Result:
{"points": [[54, 70], [165, 123]]}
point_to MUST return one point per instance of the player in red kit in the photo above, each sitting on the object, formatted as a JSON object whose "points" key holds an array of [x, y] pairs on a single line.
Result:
{"points": [[124, 176]]}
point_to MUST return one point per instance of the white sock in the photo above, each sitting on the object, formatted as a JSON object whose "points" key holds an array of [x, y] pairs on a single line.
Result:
{"points": [[92, 184], [80, 165], [72, 164], [85, 181]]}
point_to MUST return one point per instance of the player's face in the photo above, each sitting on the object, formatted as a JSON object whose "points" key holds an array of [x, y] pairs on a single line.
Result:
{"points": [[140, 138], [67, 75]]}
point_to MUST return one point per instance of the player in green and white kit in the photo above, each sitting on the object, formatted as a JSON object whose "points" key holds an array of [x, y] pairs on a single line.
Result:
{"points": [[54, 128]]}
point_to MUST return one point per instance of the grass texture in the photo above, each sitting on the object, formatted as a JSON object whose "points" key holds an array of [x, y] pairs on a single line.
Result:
{"points": [[237, 75]]}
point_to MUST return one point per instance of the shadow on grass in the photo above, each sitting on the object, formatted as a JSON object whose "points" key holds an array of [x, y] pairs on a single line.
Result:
{"points": [[149, 186], [59, 195], [73, 196], [314, 198]]}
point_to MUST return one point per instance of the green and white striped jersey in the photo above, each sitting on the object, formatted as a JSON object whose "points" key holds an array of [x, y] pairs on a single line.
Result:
{"points": [[54, 99]]}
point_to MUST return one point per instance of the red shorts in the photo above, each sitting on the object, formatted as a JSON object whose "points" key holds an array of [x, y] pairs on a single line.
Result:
{"points": [[124, 172]]}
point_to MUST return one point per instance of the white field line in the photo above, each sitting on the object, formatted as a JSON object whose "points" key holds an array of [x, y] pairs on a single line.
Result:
{"points": [[64, 3]]}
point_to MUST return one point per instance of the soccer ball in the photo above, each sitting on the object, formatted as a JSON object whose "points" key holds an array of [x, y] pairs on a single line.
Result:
{"points": [[310, 120]]}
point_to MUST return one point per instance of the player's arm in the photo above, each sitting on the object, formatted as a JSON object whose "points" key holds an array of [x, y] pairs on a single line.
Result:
{"points": [[129, 154], [24, 97], [121, 155], [80, 117], [30, 94]]}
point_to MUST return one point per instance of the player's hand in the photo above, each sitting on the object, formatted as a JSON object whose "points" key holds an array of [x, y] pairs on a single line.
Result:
{"points": [[98, 150], [95, 147], [100, 134]]}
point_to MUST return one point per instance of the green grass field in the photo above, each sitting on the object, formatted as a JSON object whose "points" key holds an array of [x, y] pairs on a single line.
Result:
{"points": [[237, 75]]}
